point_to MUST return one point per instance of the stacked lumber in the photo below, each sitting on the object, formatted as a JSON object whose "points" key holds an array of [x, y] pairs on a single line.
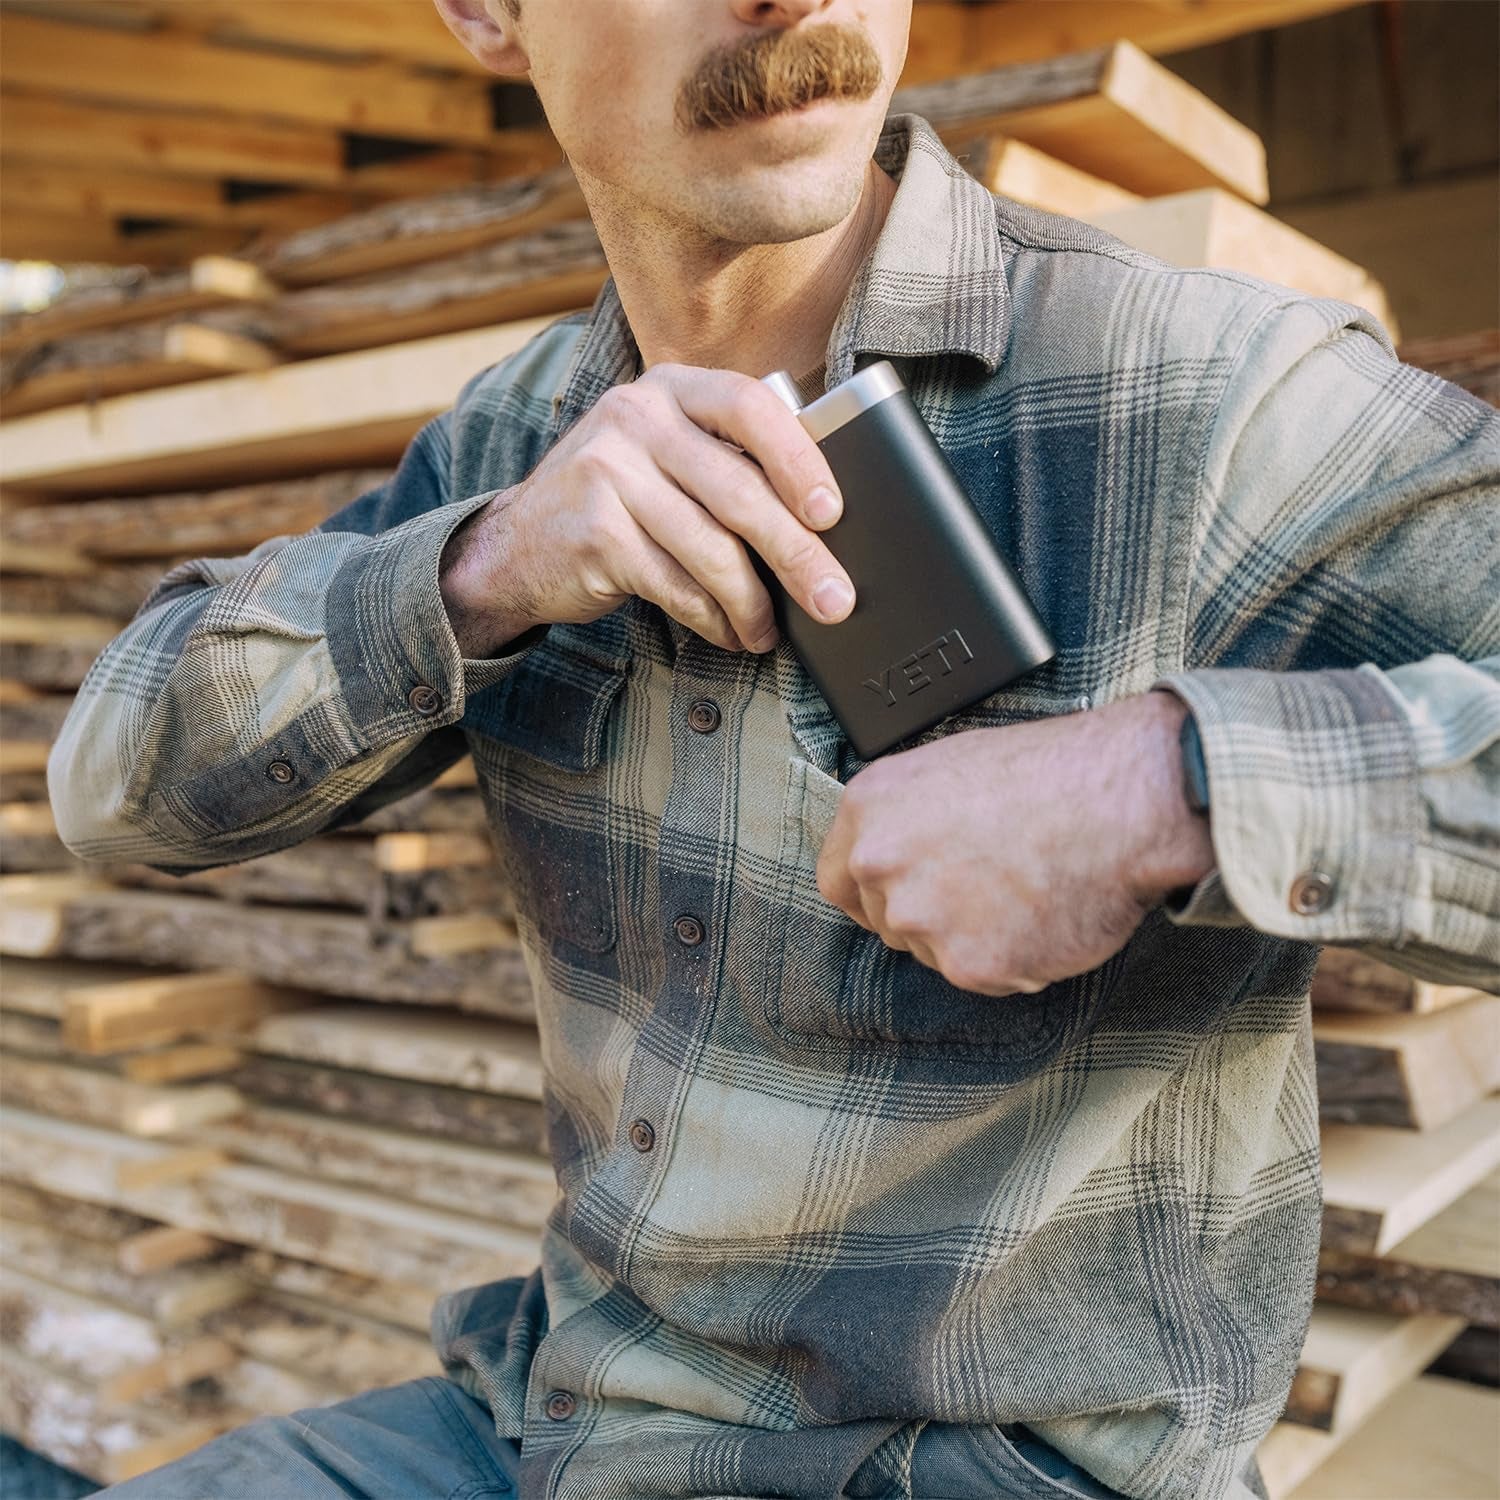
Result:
{"points": [[1409, 1266], [257, 1117]]}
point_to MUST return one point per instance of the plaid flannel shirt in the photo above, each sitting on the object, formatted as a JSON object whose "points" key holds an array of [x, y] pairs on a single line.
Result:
{"points": [[824, 1218]]}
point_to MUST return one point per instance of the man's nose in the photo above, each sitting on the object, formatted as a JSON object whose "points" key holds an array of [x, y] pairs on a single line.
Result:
{"points": [[777, 12]]}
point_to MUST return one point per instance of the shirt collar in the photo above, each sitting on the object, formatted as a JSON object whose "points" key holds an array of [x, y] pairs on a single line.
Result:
{"points": [[934, 282]]}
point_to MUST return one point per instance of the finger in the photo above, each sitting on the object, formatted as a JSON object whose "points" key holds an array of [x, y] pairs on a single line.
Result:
{"points": [[736, 490], [835, 884], [708, 551], [742, 410], [655, 575]]}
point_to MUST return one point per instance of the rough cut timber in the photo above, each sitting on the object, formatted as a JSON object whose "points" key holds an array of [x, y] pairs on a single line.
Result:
{"points": [[74, 1425], [40, 986], [338, 1226], [1430, 1438], [121, 67], [510, 1187], [102, 137], [1346, 980], [45, 664], [114, 590], [1380, 1184], [390, 1301], [1209, 227], [401, 1041], [1015, 170], [1112, 112], [209, 281], [1471, 360], [91, 366], [1417, 1071], [218, 523], [47, 916], [100, 1097], [431, 1109], [1351, 1361], [1451, 1264], [407, 233], [552, 270], [338, 412]]}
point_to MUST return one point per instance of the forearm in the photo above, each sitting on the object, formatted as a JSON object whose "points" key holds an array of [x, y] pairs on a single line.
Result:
{"points": [[253, 698]]}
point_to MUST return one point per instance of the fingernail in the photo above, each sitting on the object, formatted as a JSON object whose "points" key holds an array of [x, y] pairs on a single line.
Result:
{"points": [[832, 596], [823, 506]]}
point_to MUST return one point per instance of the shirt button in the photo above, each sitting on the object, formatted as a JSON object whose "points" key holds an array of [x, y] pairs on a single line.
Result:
{"points": [[1311, 892], [561, 1405], [642, 1136], [704, 716], [426, 700], [689, 930], [280, 770]]}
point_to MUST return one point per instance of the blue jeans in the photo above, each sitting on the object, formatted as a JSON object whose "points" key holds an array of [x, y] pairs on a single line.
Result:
{"points": [[424, 1439]]}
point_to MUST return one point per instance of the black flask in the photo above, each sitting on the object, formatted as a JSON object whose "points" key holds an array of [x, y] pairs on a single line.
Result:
{"points": [[940, 620]]}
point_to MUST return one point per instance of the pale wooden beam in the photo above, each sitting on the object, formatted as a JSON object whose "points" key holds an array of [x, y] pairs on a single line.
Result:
{"points": [[170, 69]]}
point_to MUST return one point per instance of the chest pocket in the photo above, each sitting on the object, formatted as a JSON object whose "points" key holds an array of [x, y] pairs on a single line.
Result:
{"points": [[831, 985], [543, 740]]}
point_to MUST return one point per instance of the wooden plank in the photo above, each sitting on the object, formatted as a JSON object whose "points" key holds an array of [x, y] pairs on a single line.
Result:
{"points": [[94, 366], [397, 235], [497, 284], [120, 67], [40, 986], [47, 916], [174, 1297], [162, 1248], [508, 1186], [491, 1121], [102, 1098], [73, 191], [1352, 1360], [1209, 227], [213, 522], [1113, 112], [395, 1302], [114, 590], [114, 1017], [210, 281], [72, 1424], [36, 234], [1417, 1071], [405, 1041], [952, 37], [1015, 170], [1381, 1184], [1471, 360], [186, 1164], [338, 1226], [101, 138], [328, 413], [341, 1350], [1432, 1438], [1450, 1264], [1346, 980]]}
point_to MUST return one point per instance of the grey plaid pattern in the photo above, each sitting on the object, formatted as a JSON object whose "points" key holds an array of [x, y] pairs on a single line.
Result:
{"points": [[893, 1238]]}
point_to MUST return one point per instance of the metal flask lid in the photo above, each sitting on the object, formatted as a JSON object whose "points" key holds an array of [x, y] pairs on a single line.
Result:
{"points": [[835, 408]]}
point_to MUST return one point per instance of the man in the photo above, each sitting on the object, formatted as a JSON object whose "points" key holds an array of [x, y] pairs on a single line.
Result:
{"points": [[943, 1126]]}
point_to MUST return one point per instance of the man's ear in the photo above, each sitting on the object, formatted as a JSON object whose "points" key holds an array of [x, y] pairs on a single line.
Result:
{"points": [[487, 30]]}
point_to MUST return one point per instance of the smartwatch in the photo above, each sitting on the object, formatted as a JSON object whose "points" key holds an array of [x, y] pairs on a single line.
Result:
{"points": [[1194, 771]]}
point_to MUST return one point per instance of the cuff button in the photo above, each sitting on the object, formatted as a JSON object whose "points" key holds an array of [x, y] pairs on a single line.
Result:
{"points": [[282, 771], [1311, 893], [425, 700]]}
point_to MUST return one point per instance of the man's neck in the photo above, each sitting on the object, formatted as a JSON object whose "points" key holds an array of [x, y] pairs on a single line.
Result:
{"points": [[751, 308]]}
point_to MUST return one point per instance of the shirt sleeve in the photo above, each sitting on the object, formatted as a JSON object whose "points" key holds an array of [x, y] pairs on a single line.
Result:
{"points": [[1343, 639], [254, 701]]}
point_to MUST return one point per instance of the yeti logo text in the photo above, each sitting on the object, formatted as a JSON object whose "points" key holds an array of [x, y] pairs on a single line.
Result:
{"points": [[951, 650]]}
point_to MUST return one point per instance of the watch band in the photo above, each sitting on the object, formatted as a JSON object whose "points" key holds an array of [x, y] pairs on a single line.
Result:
{"points": [[1194, 769]]}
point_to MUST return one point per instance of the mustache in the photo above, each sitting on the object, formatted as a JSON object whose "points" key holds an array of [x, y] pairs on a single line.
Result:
{"points": [[777, 70]]}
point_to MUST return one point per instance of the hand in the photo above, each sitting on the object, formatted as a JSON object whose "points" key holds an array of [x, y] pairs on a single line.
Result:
{"points": [[1010, 858], [648, 493]]}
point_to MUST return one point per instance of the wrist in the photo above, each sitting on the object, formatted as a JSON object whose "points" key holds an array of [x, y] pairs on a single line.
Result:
{"points": [[1175, 848], [484, 619]]}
